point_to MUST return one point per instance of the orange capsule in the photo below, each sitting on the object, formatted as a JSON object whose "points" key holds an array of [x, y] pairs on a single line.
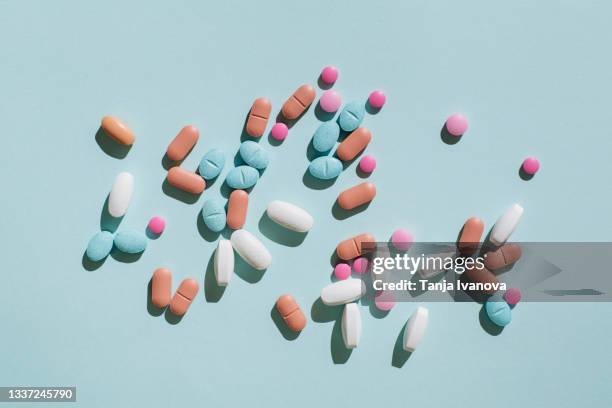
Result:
{"points": [[356, 246], [258, 117], [502, 257], [357, 195], [182, 143], [354, 144], [291, 313], [470, 236], [183, 297], [298, 102], [186, 180], [117, 130], [161, 287], [237, 209]]}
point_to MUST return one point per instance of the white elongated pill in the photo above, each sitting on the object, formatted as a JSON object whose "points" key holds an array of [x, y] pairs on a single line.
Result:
{"points": [[224, 262], [351, 325], [344, 291], [415, 329], [506, 224], [121, 194], [290, 216], [251, 249]]}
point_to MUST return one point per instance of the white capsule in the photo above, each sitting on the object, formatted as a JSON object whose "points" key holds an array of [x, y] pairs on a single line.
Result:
{"points": [[351, 325], [224, 262], [290, 216], [505, 225], [251, 249], [415, 328], [344, 291], [121, 194]]}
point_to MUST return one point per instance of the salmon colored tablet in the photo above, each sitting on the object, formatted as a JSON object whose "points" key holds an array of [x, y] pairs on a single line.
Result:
{"points": [[502, 257], [298, 102], [182, 143], [161, 287], [186, 180], [291, 313], [258, 117], [355, 246], [183, 297], [481, 276], [237, 209], [354, 144], [470, 236], [118, 130], [357, 195]]}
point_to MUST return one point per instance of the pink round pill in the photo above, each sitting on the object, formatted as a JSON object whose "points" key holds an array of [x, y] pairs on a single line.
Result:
{"points": [[531, 165], [456, 124], [342, 271], [157, 225], [402, 239], [377, 99], [385, 301], [330, 101], [360, 265], [329, 75], [367, 164], [512, 296], [279, 131]]}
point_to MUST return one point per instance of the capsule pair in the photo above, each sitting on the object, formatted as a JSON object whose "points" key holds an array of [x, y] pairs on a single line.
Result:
{"points": [[161, 289]]}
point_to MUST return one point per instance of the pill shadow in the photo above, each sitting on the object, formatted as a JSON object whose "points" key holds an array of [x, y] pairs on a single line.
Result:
{"points": [[204, 231], [167, 164], [278, 233], [400, 356], [314, 183], [322, 84], [340, 213], [246, 272], [90, 265], [524, 175], [151, 308], [370, 109], [486, 323], [238, 159], [312, 153], [171, 317], [334, 259], [376, 312], [322, 313], [107, 221], [274, 142], [110, 146], [339, 353], [178, 194], [321, 115], [212, 291], [417, 278], [152, 235], [362, 174], [124, 257], [278, 320], [447, 138]]}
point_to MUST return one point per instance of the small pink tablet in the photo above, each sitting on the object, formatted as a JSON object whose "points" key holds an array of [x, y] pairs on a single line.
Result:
{"points": [[157, 225], [342, 271], [377, 99], [329, 75], [367, 164], [402, 239], [360, 265], [531, 165], [330, 101], [279, 131], [512, 296], [456, 124], [384, 301]]}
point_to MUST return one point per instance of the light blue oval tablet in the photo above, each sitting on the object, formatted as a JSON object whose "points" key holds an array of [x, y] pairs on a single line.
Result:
{"points": [[499, 312], [130, 241], [211, 164], [325, 167], [351, 116], [242, 177], [325, 137], [99, 246], [254, 155], [213, 214]]}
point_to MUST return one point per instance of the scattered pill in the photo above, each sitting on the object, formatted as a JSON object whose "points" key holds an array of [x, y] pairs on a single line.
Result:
{"points": [[498, 312], [402, 239], [512, 296], [469, 239], [130, 241], [506, 224], [344, 291], [351, 116], [99, 246], [367, 164], [325, 167], [237, 206], [325, 137], [354, 144], [211, 164], [258, 117], [185, 294], [156, 225], [161, 287], [330, 101], [117, 130], [482, 275], [360, 265], [254, 155], [279, 131], [385, 301], [298, 102], [121, 194], [456, 124], [242, 177], [251, 249], [291, 313], [357, 195], [356, 246], [342, 271], [213, 214], [502, 257], [531, 165], [329, 74], [377, 99], [415, 329], [290, 216], [351, 325], [185, 180], [224, 262], [182, 143]]}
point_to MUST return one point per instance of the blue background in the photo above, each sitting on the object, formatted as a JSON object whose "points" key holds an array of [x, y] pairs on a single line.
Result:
{"points": [[534, 78]]}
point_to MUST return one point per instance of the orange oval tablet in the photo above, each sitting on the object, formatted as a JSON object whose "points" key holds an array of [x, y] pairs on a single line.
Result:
{"points": [[289, 309], [161, 287], [118, 130], [298, 102], [502, 257], [481, 276], [182, 143], [354, 144], [237, 209], [258, 117], [357, 195], [353, 247], [183, 297], [470, 236], [186, 180]]}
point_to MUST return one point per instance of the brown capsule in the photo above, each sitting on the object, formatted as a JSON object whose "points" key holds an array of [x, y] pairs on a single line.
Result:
{"points": [[183, 297], [117, 130], [182, 143], [354, 144], [161, 287], [185, 180], [298, 102], [482, 275], [502, 257], [291, 313], [258, 117], [357, 195], [469, 240], [237, 206], [356, 246]]}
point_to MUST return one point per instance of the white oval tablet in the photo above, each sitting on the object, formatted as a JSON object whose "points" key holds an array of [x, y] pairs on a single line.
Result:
{"points": [[344, 291], [351, 325], [121, 194], [290, 216], [251, 249], [506, 224], [415, 329], [224, 262]]}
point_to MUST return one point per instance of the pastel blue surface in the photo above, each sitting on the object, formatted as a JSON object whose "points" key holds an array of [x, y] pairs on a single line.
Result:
{"points": [[100, 245], [213, 214], [242, 177], [130, 241], [325, 167], [211, 164], [498, 312], [351, 116], [254, 155], [326, 136], [534, 78]]}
